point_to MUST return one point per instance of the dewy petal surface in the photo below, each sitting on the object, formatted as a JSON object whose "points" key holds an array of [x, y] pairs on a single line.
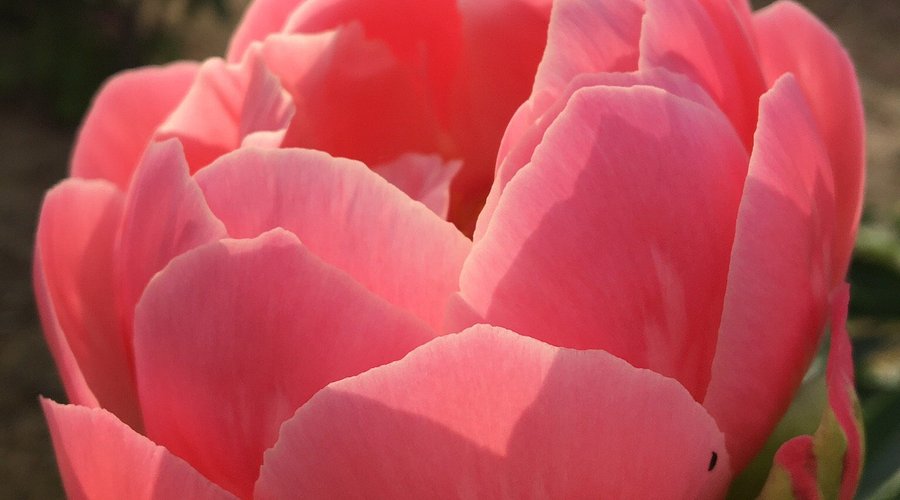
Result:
{"points": [[618, 233], [390, 244], [76, 294], [124, 117], [233, 336], [778, 284], [793, 40], [492, 414], [101, 458]]}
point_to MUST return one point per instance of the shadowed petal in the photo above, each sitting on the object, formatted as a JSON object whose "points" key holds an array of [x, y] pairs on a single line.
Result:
{"points": [[793, 40], [707, 43], [101, 458], [488, 413], [618, 233], [233, 336], [776, 300], [76, 295]]}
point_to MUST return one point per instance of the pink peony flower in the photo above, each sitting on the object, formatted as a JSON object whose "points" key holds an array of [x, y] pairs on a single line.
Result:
{"points": [[250, 288]]}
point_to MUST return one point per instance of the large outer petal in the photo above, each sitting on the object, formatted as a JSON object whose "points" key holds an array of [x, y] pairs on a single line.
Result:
{"points": [[778, 284], [101, 458], [707, 43], [123, 118], [793, 40], [76, 294], [618, 232], [491, 414], [346, 215], [233, 336]]}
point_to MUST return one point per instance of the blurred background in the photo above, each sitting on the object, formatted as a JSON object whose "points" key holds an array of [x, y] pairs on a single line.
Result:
{"points": [[54, 54]]}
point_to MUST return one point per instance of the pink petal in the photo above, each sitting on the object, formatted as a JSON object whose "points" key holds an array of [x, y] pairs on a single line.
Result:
{"points": [[226, 103], [793, 40], [488, 413], [425, 38], [520, 143], [495, 77], [584, 37], [123, 117], [797, 459], [778, 284], [587, 36], [165, 215], [262, 18], [707, 43], [76, 295], [101, 458], [841, 392], [617, 235], [233, 336], [393, 246], [424, 178], [353, 96], [829, 463]]}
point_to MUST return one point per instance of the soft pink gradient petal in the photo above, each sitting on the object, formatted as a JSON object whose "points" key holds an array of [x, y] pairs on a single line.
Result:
{"points": [[708, 44], [76, 296], [123, 118], [793, 40], [488, 413], [225, 104], [778, 284], [425, 37], [424, 178], [618, 233], [495, 77], [101, 458], [841, 391], [584, 37], [346, 215], [165, 215], [353, 96], [587, 36], [233, 336], [519, 144], [262, 18]]}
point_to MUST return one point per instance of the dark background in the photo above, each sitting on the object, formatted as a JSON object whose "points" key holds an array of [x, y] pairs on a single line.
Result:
{"points": [[55, 53]]}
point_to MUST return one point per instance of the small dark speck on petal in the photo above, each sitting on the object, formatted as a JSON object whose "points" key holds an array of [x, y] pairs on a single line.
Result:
{"points": [[712, 461]]}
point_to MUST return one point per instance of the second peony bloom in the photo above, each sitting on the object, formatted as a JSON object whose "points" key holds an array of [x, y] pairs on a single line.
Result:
{"points": [[637, 214]]}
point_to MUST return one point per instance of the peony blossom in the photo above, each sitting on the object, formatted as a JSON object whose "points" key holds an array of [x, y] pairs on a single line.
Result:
{"points": [[258, 281]]}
